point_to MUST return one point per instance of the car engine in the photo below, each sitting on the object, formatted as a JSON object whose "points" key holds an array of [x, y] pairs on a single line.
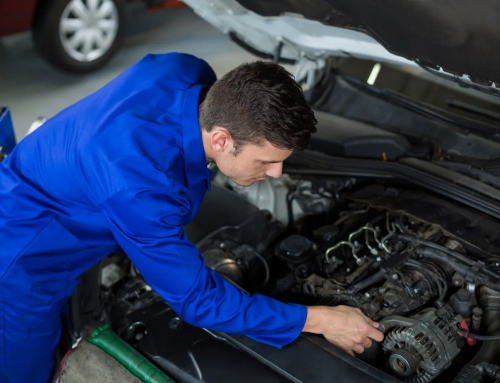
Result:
{"points": [[426, 268], [427, 271]]}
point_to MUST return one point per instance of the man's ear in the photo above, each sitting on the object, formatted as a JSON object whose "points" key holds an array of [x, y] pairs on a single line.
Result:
{"points": [[221, 140]]}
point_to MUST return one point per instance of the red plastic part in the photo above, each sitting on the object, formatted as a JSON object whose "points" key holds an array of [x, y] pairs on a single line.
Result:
{"points": [[470, 341]]}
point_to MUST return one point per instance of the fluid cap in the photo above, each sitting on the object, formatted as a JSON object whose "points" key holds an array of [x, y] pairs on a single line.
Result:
{"points": [[295, 249]]}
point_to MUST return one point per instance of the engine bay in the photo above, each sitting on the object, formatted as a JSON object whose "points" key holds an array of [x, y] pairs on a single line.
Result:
{"points": [[424, 267]]}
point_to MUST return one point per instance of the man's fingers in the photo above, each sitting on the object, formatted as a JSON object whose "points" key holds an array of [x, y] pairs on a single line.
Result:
{"points": [[376, 335], [367, 343], [372, 323], [358, 349]]}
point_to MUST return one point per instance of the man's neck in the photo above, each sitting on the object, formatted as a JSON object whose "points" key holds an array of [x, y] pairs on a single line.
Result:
{"points": [[204, 134]]}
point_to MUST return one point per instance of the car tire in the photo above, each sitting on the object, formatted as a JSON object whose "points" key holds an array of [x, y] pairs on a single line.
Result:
{"points": [[79, 36]]}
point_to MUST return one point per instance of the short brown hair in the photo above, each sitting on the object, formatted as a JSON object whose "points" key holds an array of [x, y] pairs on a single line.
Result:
{"points": [[260, 101]]}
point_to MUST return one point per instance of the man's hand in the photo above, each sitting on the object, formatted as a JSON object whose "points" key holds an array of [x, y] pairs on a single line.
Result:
{"points": [[344, 326]]}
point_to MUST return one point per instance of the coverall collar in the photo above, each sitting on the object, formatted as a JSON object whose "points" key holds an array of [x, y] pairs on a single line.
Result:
{"points": [[195, 162]]}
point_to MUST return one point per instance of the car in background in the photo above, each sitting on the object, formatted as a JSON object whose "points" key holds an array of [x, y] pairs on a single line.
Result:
{"points": [[77, 36]]}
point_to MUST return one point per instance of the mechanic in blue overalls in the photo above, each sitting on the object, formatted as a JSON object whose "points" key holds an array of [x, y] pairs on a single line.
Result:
{"points": [[127, 167]]}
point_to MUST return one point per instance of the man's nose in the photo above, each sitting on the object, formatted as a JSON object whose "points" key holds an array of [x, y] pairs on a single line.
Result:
{"points": [[275, 170]]}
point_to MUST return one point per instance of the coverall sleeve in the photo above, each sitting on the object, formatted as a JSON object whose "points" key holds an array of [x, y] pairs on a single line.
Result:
{"points": [[148, 226]]}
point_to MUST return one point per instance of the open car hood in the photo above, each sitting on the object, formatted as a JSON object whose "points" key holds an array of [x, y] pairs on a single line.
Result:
{"points": [[457, 37]]}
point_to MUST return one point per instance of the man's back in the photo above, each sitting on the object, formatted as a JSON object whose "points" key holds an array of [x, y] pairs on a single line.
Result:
{"points": [[129, 135], [85, 154]]}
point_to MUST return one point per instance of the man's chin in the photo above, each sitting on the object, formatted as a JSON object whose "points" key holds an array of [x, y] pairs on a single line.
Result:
{"points": [[243, 183]]}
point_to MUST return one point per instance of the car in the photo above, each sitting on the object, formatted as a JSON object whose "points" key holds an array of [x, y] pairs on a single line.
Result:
{"points": [[394, 209], [76, 36]]}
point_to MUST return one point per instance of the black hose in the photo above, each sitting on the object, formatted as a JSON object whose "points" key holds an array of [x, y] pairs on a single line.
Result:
{"points": [[481, 338], [342, 298], [438, 255], [491, 371], [469, 374], [475, 373], [490, 273], [484, 280], [378, 276], [489, 351], [435, 246], [479, 278], [266, 266], [440, 300]]}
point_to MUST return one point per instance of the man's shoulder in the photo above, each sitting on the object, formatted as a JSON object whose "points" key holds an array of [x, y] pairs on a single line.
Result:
{"points": [[180, 70]]}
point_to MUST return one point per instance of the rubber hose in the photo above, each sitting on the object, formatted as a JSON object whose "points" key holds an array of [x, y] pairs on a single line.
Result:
{"points": [[481, 338], [435, 246], [342, 298], [475, 373], [479, 278], [266, 266], [490, 273], [126, 355], [483, 280], [489, 351], [469, 374], [438, 255], [378, 276]]}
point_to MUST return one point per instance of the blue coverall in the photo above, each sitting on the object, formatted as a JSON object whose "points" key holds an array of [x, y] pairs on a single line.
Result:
{"points": [[124, 167]]}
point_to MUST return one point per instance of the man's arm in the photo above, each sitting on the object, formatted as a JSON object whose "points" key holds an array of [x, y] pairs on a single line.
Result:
{"points": [[148, 226]]}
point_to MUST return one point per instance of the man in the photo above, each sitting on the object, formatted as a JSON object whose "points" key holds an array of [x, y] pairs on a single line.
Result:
{"points": [[127, 166]]}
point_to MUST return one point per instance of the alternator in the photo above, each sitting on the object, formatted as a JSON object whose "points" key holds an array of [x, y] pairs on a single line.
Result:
{"points": [[423, 346]]}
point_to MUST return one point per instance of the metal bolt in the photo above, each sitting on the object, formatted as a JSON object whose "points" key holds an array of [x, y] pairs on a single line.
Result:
{"points": [[378, 259], [222, 244], [497, 264], [367, 295], [139, 336], [394, 276], [415, 291], [175, 323], [381, 290], [348, 270], [476, 311]]}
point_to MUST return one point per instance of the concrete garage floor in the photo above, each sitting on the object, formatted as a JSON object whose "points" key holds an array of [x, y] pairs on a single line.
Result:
{"points": [[32, 88]]}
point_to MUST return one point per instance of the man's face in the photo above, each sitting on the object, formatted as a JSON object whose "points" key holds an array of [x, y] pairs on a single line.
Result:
{"points": [[253, 163]]}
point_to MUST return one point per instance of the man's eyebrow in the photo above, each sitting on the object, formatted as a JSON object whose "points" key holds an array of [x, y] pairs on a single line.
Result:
{"points": [[271, 162]]}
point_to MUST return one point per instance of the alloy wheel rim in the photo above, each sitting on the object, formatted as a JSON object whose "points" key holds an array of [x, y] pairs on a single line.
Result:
{"points": [[88, 28]]}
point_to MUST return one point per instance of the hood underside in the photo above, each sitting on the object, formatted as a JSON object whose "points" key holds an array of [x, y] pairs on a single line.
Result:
{"points": [[459, 36]]}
